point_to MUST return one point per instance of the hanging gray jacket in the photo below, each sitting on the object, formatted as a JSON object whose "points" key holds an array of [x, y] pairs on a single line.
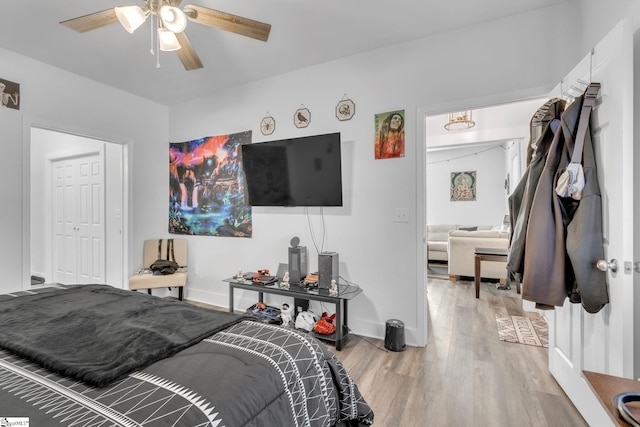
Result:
{"points": [[564, 236], [542, 127]]}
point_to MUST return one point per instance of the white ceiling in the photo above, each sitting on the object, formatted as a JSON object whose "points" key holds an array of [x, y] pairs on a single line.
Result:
{"points": [[303, 33]]}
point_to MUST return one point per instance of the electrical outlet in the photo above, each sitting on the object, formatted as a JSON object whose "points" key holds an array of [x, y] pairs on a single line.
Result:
{"points": [[400, 215]]}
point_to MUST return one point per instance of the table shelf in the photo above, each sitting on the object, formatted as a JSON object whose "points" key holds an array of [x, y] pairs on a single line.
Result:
{"points": [[345, 293]]}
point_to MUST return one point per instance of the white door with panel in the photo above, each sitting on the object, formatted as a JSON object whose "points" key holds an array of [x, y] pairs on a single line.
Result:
{"points": [[78, 219], [603, 342]]}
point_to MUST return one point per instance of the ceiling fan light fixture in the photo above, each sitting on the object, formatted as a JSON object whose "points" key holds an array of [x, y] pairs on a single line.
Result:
{"points": [[131, 17], [168, 40], [173, 18]]}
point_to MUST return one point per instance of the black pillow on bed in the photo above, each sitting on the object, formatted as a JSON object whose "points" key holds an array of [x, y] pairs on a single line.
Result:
{"points": [[468, 228]]}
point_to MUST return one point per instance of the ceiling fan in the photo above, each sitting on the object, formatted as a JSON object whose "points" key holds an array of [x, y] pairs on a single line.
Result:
{"points": [[171, 22]]}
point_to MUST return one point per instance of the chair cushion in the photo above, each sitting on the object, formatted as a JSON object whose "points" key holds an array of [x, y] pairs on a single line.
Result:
{"points": [[148, 280]]}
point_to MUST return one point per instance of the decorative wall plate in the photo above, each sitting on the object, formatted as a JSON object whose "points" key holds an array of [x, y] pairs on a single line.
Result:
{"points": [[345, 109], [302, 118], [267, 125]]}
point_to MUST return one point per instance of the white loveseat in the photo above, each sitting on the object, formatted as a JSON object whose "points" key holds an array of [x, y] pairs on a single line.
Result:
{"points": [[438, 241], [438, 238], [461, 252]]}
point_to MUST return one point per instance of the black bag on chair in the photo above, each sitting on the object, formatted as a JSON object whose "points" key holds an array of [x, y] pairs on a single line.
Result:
{"points": [[165, 266]]}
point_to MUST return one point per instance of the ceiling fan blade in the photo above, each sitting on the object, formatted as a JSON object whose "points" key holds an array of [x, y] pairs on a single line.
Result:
{"points": [[187, 54], [91, 21], [225, 21]]}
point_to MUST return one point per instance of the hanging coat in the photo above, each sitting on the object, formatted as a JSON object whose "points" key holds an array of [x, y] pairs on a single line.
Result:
{"points": [[564, 236], [542, 127]]}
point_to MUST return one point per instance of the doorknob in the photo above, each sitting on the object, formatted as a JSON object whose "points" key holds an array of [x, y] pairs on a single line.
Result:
{"points": [[603, 265]]}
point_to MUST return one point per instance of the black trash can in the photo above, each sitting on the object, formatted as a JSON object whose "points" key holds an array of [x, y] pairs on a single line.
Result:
{"points": [[394, 335]]}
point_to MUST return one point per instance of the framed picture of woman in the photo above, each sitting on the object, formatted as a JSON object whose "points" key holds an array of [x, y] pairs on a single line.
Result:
{"points": [[389, 142]]}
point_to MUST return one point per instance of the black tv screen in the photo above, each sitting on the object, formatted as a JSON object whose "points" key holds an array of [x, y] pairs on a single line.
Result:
{"points": [[303, 171]]}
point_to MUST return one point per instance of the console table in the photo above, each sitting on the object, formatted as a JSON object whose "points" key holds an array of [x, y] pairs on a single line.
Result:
{"points": [[345, 293]]}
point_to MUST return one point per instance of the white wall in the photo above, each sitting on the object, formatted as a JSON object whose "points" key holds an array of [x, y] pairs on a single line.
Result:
{"points": [[53, 98], [598, 18], [375, 252], [11, 172], [490, 205]]}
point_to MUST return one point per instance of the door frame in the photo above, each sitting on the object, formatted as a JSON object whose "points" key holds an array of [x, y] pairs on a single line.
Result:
{"points": [[422, 113], [123, 171]]}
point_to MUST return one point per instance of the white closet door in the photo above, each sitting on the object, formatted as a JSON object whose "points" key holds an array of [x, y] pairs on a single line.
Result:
{"points": [[603, 342], [78, 219]]}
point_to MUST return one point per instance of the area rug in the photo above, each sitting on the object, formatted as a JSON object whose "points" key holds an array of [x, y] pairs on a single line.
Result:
{"points": [[523, 330]]}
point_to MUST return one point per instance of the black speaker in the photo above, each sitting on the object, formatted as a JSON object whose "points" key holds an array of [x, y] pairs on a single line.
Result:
{"points": [[297, 264], [327, 269]]}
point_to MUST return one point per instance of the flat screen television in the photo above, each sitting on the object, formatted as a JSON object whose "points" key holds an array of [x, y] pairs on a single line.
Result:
{"points": [[303, 171]]}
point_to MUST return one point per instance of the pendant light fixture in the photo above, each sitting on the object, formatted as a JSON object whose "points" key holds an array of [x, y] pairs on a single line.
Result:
{"points": [[460, 120]]}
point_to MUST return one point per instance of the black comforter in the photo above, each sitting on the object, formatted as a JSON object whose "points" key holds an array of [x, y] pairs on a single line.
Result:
{"points": [[243, 373], [98, 334]]}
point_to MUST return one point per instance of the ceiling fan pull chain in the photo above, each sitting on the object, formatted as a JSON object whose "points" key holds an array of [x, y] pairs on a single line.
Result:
{"points": [[157, 52], [151, 37], [154, 26]]}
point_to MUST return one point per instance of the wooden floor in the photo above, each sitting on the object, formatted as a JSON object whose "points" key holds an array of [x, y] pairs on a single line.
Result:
{"points": [[465, 376]]}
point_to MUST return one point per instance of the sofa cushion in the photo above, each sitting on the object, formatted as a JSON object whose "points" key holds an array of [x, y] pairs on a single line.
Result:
{"points": [[478, 227], [441, 236], [438, 228], [440, 246], [479, 233], [439, 232]]}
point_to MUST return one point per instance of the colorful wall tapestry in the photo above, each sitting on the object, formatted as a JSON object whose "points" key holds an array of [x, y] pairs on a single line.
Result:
{"points": [[389, 141], [463, 186], [206, 190]]}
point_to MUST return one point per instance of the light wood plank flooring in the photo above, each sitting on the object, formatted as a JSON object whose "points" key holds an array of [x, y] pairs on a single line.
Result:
{"points": [[465, 376]]}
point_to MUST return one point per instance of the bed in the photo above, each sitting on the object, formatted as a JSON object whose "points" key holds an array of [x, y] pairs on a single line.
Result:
{"points": [[95, 355]]}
